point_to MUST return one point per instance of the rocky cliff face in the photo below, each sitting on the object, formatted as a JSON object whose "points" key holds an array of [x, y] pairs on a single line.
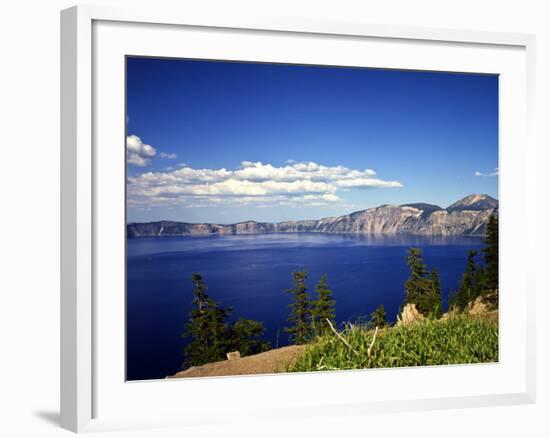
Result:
{"points": [[465, 217]]}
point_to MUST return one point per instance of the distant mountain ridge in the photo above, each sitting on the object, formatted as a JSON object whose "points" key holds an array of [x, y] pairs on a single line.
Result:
{"points": [[467, 216], [474, 202]]}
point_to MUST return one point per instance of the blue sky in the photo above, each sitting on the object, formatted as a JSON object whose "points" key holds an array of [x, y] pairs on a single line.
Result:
{"points": [[225, 142]]}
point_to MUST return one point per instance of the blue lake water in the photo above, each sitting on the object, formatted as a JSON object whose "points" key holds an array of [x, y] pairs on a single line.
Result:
{"points": [[252, 272]]}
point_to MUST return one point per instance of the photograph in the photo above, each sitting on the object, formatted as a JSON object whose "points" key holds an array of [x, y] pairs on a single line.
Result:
{"points": [[290, 218]]}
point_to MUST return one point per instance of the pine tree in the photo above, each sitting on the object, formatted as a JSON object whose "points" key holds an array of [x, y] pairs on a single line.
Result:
{"points": [[419, 288], [416, 284], [245, 337], [378, 317], [480, 286], [206, 327], [323, 307], [435, 300], [491, 254], [467, 290], [211, 336], [300, 329]]}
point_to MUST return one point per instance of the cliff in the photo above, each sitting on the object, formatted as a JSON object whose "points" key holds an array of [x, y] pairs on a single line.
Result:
{"points": [[467, 216]]}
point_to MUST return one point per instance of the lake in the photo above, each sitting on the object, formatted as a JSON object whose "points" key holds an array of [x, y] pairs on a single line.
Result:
{"points": [[252, 272]]}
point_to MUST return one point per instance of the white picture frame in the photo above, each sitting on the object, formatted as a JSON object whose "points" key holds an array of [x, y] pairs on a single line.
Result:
{"points": [[87, 380]]}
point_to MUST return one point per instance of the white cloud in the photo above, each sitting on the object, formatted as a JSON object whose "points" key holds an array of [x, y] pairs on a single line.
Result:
{"points": [[494, 173], [366, 182], [168, 156], [137, 152], [307, 183]]}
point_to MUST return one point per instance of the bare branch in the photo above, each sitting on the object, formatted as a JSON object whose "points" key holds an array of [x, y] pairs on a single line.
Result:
{"points": [[341, 337], [369, 350]]}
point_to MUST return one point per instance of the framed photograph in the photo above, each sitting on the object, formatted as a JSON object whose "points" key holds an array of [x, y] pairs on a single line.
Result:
{"points": [[255, 205]]}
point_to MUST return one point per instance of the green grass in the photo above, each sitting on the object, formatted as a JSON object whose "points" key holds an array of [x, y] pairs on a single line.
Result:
{"points": [[458, 340]]}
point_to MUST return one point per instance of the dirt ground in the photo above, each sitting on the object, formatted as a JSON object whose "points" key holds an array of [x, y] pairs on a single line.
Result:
{"points": [[273, 361]]}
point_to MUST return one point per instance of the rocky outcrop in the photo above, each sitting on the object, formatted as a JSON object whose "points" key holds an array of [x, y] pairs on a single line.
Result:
{"points": [[233, 355], [477, 307], [465, 217], [409, 315]]}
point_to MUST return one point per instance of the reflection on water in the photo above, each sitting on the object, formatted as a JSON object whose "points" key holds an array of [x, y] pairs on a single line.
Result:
{"points": [[151, 245]]}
